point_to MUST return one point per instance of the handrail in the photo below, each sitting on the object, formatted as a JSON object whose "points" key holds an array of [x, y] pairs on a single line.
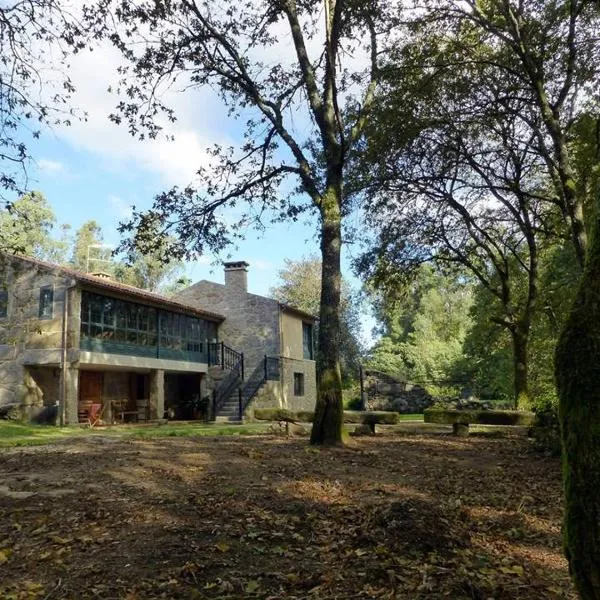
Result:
{"points": [[272, 367], [219, 354], [232, 361]]}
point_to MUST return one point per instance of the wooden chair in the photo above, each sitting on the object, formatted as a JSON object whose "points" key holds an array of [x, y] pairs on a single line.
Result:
{"points": [[95, 414]]}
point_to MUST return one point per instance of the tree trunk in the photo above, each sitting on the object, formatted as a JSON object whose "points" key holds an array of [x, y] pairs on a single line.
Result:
{"points": [[520, 340], [577, 370], [329, 410]]}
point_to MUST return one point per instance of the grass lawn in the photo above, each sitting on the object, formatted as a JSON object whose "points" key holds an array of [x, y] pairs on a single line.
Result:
{"points": [[28, 434], [21, 434], [147, 516]]}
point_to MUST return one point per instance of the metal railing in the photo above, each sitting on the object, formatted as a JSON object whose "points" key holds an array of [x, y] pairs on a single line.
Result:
{"points": [[269, 369], [272, 369], [221, 355], [229, 360]]}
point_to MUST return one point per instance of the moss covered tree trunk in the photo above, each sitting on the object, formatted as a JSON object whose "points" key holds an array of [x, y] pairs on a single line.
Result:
{"points": [[578, 382], [329, 411], [520, 341]]}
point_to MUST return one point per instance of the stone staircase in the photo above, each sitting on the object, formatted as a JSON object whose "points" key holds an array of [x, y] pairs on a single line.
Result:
{"points": [[228, 409]]}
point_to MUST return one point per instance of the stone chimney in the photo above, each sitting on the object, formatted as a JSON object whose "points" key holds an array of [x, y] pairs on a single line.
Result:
{"points": [[236, 275], [101, 275]]}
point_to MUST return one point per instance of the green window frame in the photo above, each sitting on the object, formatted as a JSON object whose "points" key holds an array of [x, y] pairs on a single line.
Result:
{"points": [[308, 348], [128, 327]]}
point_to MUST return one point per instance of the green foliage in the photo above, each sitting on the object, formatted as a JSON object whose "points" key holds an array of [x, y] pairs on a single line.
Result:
{"points": [[27, 228], [424, 326]]}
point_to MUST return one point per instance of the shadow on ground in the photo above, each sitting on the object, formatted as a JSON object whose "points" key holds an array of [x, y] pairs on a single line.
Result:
{"points": [[396, 516]]}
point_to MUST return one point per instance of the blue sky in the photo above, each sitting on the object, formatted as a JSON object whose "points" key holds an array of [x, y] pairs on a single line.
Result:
{"points": [[96, 170]]}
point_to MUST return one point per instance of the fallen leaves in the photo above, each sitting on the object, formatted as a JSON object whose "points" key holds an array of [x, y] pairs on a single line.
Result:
{"points": [[419, 517]]}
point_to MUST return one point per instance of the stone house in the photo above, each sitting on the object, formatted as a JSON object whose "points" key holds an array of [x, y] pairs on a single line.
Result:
{"points": [[276, 339], [75, 346]]}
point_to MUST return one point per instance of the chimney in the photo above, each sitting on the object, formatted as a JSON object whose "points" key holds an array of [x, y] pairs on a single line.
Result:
{"points": [[236, 275], [101, 275]]}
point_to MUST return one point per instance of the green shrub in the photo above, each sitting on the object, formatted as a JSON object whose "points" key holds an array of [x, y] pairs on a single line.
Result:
{"points": [[306, 416], [479, 417], [274, 414]]}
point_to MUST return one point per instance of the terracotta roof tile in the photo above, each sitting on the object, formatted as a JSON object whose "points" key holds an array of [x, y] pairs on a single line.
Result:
{"points": [[120, 288]]}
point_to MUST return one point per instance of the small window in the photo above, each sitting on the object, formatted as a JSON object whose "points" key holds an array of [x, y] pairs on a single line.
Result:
{"points": [[307, 341], [46, 302], [3, 304], [298, 384]]}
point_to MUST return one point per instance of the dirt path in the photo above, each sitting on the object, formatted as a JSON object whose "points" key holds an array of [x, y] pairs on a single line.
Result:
{"points": [[414, 516]]}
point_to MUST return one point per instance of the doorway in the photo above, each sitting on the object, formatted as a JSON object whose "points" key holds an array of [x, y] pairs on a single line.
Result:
{"points": [[91, 385]]}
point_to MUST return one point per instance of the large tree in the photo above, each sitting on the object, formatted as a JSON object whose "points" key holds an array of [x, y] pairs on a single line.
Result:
{"points": [[461, 183], [28, 228], [303, 77], [424, 322], [36, 39], [547, 54], [578, 382]]}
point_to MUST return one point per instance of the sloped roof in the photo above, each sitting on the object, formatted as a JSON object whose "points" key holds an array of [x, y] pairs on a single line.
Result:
{"points": [[301, 313], [109, 285]]}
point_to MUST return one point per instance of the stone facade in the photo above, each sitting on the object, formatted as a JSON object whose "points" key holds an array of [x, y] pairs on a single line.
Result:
{"points": [[291, 367], [259, 326], [40, 355], [42, 358], [30, 346]]}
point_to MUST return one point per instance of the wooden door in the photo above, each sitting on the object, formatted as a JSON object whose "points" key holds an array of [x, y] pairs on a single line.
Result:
{"points": [[91, 384]]}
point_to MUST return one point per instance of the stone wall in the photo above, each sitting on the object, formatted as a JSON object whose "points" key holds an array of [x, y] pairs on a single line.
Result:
{"points": [[252, 322], [25, 339], [255, 326], [384, 392]]}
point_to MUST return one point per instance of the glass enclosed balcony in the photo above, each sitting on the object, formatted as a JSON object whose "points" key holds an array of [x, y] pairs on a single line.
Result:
{"points": [[113, 326]]}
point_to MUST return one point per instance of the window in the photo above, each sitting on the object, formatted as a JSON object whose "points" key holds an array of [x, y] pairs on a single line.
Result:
{"points": [[127, 326], [298, 384], [307, 341], [3, 304], [46, 302]]}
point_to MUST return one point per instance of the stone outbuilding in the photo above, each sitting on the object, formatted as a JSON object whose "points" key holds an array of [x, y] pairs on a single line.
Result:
{"points": [[77, 346]]}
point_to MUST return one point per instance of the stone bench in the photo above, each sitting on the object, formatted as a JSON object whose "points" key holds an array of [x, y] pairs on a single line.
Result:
{"points": [[367, 419], [461, 419]]}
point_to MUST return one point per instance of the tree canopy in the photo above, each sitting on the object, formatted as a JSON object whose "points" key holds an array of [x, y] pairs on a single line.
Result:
{"points": [[304, 82], [36, 39]]}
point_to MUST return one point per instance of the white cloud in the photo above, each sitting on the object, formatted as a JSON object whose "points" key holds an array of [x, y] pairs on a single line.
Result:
{"points": [[120, 208], [46, 165], [261, 265], [174, 162]]}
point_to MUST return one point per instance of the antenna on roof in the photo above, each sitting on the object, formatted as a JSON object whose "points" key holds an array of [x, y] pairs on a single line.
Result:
{"points": [[99, 258]]}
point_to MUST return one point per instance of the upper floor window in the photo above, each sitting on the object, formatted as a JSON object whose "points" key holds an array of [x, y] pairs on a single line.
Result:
{"points": [[3, 304], [307, 341], [298, 384], [46, 302]]}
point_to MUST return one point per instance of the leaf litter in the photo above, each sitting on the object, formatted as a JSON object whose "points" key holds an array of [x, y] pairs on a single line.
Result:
{"points": [[392, 516]]}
